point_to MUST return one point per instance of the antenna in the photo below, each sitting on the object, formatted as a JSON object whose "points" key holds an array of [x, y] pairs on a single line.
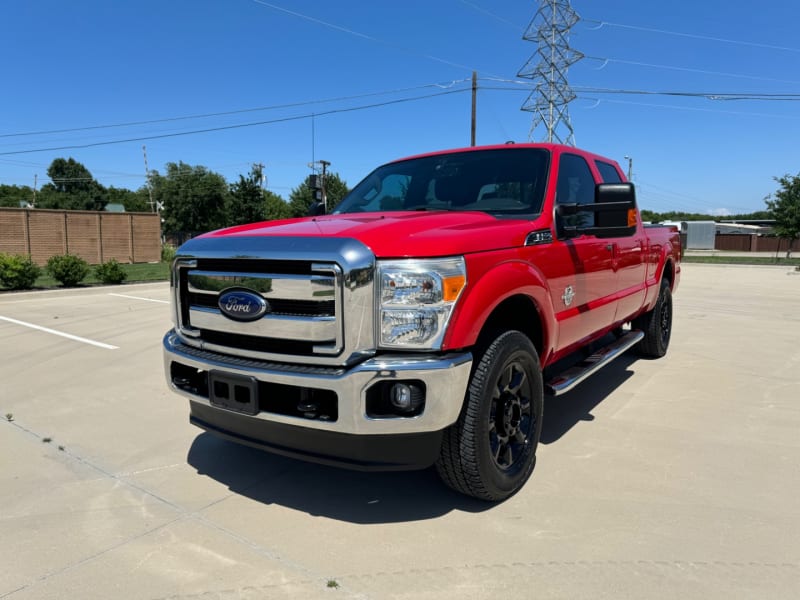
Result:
{"points": [[313, 140], [548, 67]]}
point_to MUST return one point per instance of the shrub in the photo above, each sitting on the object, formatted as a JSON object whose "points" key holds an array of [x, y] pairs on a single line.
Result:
{"points": [[110, 272], [67, 269], [18, 272], [167, 253]]}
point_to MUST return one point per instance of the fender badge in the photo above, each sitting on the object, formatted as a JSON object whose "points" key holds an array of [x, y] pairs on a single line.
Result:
{"points": [[569, 294]]}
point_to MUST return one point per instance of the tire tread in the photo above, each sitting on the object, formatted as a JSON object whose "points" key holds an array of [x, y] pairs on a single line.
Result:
{"points": [[458, 461]]}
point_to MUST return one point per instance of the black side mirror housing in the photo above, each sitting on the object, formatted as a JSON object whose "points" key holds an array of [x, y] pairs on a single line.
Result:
{"points": [[615, 212]]}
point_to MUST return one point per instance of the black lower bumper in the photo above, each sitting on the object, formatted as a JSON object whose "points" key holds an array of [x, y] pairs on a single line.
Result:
{"points": [[397, 452]]}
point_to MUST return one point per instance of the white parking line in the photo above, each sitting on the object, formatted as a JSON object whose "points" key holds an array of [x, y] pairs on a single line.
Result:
{"points": [[61, 333], [139, 298]]}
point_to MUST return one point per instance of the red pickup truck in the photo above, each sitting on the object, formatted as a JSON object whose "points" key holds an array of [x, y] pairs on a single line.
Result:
{"points": [[424, 319]]}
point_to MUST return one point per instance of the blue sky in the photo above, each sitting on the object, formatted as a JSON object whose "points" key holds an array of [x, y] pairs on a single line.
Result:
{"points": [[82, 64]]}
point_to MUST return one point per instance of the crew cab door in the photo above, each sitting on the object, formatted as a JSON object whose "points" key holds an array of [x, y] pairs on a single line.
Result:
{"points": [[629, 262], [581, 271]]}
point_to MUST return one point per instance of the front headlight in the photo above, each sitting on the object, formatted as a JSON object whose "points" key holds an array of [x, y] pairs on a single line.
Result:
{"points": [[416, 299]]}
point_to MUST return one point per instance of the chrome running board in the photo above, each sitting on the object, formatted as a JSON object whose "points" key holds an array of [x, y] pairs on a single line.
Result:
{"points": [[565, 381]]}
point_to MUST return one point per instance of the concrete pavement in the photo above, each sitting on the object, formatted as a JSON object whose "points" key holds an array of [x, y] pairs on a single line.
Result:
{"points": [[674, 478]]}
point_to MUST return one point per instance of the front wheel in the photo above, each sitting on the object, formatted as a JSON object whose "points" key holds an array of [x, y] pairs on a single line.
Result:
{"points": [[490, 452]]}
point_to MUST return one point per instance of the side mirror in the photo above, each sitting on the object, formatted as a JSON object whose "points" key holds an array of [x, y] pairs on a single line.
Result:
{"points": [[614, 208], [565, 210], [606, 193]]}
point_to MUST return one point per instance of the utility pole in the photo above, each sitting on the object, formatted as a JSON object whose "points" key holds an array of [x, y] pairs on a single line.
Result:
{"points": [[262, 177], [325, 164], [630, 168], [147, 179], [316, 182], [33, 204], [474, 105]]}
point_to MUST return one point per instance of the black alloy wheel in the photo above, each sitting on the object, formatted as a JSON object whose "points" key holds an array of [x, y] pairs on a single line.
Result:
{"points": [[490, 452]]}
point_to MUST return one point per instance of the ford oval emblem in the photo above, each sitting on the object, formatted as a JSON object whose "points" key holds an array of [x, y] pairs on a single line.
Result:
{"points": [[242, 305]]}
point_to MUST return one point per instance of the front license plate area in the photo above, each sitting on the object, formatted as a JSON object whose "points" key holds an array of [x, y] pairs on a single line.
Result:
{"points": [[233, 392]]}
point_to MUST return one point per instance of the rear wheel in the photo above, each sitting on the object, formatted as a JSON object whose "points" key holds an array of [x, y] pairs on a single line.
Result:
{"points": [[490, 452], [656, 325]]}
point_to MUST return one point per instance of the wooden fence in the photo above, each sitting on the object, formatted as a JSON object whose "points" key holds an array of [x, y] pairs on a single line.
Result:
{"points": [[752, 243], [94, 236]]}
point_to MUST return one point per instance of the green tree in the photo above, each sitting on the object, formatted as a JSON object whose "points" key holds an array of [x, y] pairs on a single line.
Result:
{"points": [[138, 201], [649, 216], [275, 207], [72, 187], [785, 209], [15, 195], [655, 217], [302, 197], [246, 199], [193, 197]]}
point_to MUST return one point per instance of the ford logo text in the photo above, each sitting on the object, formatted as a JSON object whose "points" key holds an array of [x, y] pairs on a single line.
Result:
{"points": [[242, 305]]}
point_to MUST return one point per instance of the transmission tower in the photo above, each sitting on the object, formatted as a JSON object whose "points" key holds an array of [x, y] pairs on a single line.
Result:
{"points": [[548, 69]]}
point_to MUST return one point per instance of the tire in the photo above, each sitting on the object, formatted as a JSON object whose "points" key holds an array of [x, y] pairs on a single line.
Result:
{"points": [[490, 452], [656, 325]]}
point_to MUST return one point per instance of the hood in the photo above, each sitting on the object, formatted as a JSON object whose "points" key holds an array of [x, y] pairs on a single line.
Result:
{"points": [[400, 234]]}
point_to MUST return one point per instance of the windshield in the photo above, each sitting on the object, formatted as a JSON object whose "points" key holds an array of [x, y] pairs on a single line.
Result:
{"points": [[505, 182]]}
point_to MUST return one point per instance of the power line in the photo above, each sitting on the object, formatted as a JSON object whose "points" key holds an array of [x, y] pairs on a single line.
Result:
{"points": [[491, 14], [239, 111], [361, 35], [602, 24], [697, 109], [238, 126], [19, 163], [706, 95], [685, 69], [684, 202], [703, 95]]}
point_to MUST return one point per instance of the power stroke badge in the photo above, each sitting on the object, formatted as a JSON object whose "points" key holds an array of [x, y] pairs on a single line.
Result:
{"points": [[568, 296], [242, 305]]}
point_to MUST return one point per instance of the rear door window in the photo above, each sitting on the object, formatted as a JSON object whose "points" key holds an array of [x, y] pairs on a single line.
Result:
{"points": [[608, 172]]}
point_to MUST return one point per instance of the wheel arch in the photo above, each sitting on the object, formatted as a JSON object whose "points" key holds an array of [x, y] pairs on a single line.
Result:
{"points": [[506, 317], [668, 272], [511, 296]]}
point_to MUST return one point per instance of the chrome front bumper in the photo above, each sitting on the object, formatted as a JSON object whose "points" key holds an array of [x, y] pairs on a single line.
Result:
{"points": [[445, 377]]}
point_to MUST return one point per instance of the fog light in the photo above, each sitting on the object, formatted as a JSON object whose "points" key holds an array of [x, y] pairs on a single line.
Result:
{"points": [[405, 397]]}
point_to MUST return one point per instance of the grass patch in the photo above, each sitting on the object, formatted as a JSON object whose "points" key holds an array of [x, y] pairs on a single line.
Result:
{"points": [[721, 259], [141, 272]]}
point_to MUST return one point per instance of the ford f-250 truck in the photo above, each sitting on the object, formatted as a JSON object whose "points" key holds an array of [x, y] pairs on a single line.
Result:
{"points": [[424, 319]]}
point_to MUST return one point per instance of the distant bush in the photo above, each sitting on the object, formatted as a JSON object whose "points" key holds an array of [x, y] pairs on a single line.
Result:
{"points": [[69, 270], [110, 272], [167, 253], [18, 272]]}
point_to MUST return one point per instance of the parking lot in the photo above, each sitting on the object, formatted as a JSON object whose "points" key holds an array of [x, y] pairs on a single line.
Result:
{"points": [[673, 478]]}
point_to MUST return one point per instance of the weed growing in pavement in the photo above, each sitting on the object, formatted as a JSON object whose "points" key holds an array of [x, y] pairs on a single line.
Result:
{"points": [[9, 416]]}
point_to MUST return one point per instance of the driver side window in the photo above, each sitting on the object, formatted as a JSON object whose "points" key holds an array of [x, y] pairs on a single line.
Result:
{"points": [[575, 185]]}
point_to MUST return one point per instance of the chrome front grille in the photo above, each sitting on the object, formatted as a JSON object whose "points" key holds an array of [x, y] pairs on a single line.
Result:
{"points": [[308, 302]]}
